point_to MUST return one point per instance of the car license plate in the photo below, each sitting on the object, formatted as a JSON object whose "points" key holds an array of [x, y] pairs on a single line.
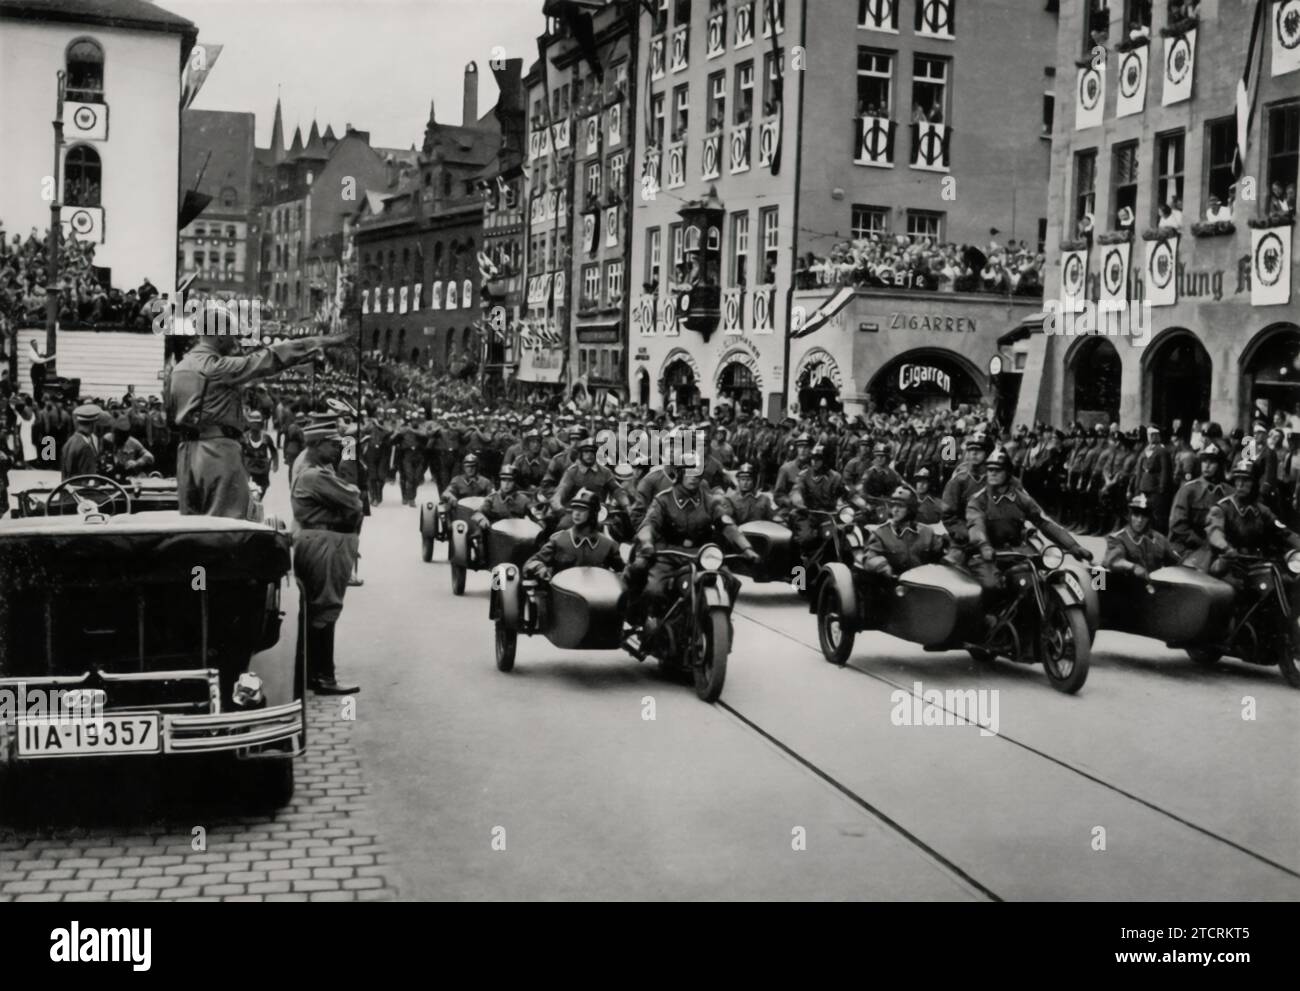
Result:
{"points": [[54, 737]]}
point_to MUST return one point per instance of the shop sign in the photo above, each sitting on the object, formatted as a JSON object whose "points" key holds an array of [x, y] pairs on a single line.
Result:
{"points": [[932, 322], [914, 376]]}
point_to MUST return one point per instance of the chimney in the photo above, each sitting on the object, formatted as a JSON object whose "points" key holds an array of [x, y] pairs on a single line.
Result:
{"points": [[469, 112]]}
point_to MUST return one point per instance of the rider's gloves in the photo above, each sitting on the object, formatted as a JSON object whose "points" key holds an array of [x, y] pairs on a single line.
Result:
{"points": [[751, 555], [986, 552], [1139, 571], [1082, 553]]}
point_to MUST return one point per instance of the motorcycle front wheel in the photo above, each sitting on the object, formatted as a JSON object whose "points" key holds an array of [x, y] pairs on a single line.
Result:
{"points": [[836, 641], [457, 580], [1289, 660], [507, 641], [712, 645], [1065, 648]]}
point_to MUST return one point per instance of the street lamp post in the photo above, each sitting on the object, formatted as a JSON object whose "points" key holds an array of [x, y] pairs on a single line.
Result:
{"points": [[52, 239]]}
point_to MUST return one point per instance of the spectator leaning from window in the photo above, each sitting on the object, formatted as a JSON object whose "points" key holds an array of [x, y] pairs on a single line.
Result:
{"points": [[1217, 211], [1125, 217]]}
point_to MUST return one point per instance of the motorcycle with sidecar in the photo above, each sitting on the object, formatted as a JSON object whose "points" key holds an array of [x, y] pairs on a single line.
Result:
{"points": [[583, 609], [512, 540], [1040, 617]]}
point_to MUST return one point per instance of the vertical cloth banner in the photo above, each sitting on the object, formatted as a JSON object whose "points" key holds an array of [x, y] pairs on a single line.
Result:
{"points": [[1089, 96], [1286, 36], [1161, 266], [1074, 279], [1131, 98], [1270, 266], [1114, 272], [1180, 61]]}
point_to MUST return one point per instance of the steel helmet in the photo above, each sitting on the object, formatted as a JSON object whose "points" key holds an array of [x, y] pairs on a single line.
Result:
{"points": [[470, 460], [507, 472], [587, 444], [1245, 468], [1140, 503], [819, 451], [903, 496], [585, 499], [998, 459], [746, 469], [880, 450]]}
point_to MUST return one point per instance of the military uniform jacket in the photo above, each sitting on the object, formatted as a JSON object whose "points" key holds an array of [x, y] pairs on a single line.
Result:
{"points": [[956, 495], [999, 520], [461, 486], [855, 469], [880, 482], [578, 476], [820, 491], [205, 388], [929, 510], [258, 456], [570, 549], [750, 506], [677, 519], [1248, 527], [1124, 549], [499, 506], [898, 549], [1154, 472], [786, 479], [656, 480], [1191, 510], [81, 456], [529, 471]]}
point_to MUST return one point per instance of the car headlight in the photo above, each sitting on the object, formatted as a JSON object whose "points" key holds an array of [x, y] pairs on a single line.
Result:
{"points": [[711, 557], [1293, 562], [847, 514], [1052, 557]]}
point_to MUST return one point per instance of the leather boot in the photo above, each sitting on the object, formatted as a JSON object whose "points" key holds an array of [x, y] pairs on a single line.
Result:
{"points": [[320, 654]]}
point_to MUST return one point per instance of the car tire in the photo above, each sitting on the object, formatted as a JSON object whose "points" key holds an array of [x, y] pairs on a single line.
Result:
{"points": [[267, 783], [506, 642], [426, 549]]}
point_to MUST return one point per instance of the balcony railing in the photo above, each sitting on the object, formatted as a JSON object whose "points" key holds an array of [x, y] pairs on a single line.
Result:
{"points": [[873, 141]]}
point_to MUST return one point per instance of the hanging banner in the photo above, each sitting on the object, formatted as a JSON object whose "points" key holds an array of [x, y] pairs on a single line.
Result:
{"points": [[645, 312], [768, 135], [1286, 36], [588, 232], [1161, 267], [1089, 95], [401, 299], [1114, 284], [365, 301], [731, 307], [392, 298], [668, 318], [592, 130], [763, 309], [558, 294], [415, 295], [710, 167], [85, 121], [611, 227], [615, 125], [435, 296], [467, 293], [1131, 98], [1180, 60], [451, 295], [879, 15], [1074, 279], [560, 135], [930, 147], [1270, 266]]}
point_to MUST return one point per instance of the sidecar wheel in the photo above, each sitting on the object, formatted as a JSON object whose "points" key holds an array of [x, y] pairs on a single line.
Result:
{"points": [[507, 641], [836, 641], [981, 656], [712, 645], [1065, 649], [426, 549], [1289, 661], [457, 580], [1204, 656]]}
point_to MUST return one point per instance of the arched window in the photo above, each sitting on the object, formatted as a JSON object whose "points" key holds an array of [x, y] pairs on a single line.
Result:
{"points": [[230, 232], [388, 340], [392, 265], [374, 340], [406, 262], [229, 196], [437, 259], [81, 177], [85, 64]]}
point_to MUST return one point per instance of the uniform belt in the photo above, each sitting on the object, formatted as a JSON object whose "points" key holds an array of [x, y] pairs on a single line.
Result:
{"points": [[331, 528], [211, 433]]}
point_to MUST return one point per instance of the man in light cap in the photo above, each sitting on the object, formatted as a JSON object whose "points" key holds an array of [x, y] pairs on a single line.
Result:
{"points": [[327, 513], [204, 404], [261, 457], [81, 452]]}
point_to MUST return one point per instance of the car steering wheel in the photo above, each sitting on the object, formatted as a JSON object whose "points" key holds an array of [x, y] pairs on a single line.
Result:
{"points": [[89, 488]]}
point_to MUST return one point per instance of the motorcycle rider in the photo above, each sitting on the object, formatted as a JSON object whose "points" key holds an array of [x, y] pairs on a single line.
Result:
{"points": [[530, 465], [929, 510], [995, 520], [684, 517], [581, 545], [1242, 524], [506, 503], [880, 480], [584, 473], [468, 483], [965, 481], [1138, 549], [902, 543], [788, 475], [746, 504], [1191, 509], [857, 465]]}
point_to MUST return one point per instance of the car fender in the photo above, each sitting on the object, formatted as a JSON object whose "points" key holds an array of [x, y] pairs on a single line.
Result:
{"points": [[840, 578], [459, 551]]}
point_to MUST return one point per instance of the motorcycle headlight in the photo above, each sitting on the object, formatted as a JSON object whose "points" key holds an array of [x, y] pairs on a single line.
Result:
{"points": [[1052, 557], [847, 514], [853, 538], [711, 557], [1293, 562]]}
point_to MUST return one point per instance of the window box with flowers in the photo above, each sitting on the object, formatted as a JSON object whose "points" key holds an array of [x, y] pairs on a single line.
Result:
{"points": [[1079, 245], [1271, 220], [1130, 43], [1214, 228], [1116, 237], [1159, 233], [1178, 28]]}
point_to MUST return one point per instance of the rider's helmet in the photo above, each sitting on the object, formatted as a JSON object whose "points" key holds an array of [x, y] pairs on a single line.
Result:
{"points": [[1140, 503], [819, 451], [587, 444], [998, 459], [585, 499], [507, 473], [1212, 452], [471, 461], [975, 441], [880, 451], [803, 440], [745, 470], [903, 496], [623, 472], [922, 473], [1245, 468], [577, 433]]}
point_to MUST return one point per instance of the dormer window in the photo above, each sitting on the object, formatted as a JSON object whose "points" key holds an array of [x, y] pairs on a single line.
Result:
{"points": [[85, 66]]}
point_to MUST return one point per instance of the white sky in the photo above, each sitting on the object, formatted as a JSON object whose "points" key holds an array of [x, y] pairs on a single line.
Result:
{"points": [[372, 63]]}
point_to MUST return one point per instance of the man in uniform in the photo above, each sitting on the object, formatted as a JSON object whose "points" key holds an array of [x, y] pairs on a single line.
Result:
{"points": [[506, 503], [820, 487], [995, 520], [327, 513], [260, 455], [584, 473], [1137, 549], [929, 510], [81, 452], [788, 475], [530, 466], [965, 482], [745, 503], [1191, 510], [857, 465], [902, 543], [582, 545], [1241, 524], [1153, 476], [880, 480], [204, 403], [410, 459], [446, 445], [468, 483]]}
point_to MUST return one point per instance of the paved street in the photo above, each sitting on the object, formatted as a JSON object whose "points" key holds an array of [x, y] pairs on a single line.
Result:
{"points": [[456, 781]]}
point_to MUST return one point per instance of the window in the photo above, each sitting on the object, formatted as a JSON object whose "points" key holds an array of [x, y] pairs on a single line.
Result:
{"points": [[1042, 235], [613, 281], [681, 112], [81, 177], [682, 13], [771, 242], [229, 197], [717, 102], [678, 250], [1049, 113], [771, 78], [590, 284], [868, 220], [924, 223], [929, 89], [657, 118], [740, 250], [1283, 148], [199, 260], [1124, 178], [1096, 25], [653, 260], [1085, 184], [230, 232], [744, 92], [617, 169], [593, 181], [875, 72], [659, 23], [882, 17], [1137, 15], [1169, 169], [85, 68]]}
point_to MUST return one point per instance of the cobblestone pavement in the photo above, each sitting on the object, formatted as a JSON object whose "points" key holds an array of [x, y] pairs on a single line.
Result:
{"points": [[123, 837]]}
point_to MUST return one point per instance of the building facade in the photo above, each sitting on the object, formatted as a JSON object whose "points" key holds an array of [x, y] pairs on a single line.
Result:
{"points": [[1149, 121], [221, 246]]}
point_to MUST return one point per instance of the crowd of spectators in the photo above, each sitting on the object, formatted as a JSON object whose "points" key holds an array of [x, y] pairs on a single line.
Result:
{"points": [[885, 260]]}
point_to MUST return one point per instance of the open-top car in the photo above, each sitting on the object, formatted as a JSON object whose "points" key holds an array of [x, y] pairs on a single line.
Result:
{"points": [[148, 635], [64, 497]]}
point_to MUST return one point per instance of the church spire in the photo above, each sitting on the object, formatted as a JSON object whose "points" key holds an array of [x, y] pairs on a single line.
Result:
{"points": [[277, 133]]}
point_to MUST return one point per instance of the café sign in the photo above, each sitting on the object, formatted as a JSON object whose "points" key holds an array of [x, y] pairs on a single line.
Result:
{"points": [[914, 376]]}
